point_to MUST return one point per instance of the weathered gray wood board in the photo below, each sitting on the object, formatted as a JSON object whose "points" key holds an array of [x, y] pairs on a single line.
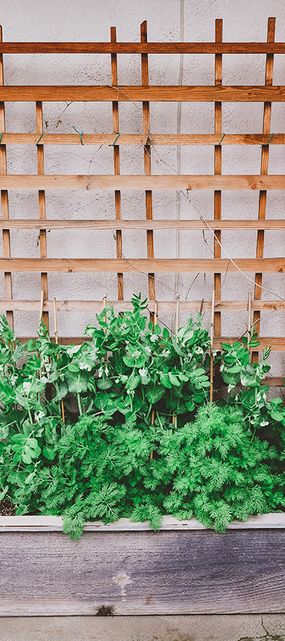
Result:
{"points": [[182, 572]]}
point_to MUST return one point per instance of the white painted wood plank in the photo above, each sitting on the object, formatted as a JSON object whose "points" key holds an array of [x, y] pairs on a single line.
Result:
{"points": [[274, 520]]}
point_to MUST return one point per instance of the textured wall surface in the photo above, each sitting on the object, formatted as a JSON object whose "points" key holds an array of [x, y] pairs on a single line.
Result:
{"points": [[167, 20], [252, 627]]}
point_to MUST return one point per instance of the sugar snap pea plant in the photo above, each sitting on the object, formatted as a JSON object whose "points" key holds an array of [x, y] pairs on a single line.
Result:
{"points": [[87, 430], [245, 380]]}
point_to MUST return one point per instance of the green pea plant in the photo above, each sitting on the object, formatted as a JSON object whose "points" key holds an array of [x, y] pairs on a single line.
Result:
{"points": [[245, 380], [87, 431]]}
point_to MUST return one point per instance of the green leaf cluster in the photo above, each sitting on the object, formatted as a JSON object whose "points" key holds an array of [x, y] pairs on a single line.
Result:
{"points": [[117, 452]]}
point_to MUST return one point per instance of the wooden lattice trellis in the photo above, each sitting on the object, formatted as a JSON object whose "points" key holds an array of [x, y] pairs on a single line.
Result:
{"points": [[145, 94]]}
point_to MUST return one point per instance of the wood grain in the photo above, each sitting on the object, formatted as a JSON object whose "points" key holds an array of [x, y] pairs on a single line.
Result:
{"points": [[6, 240], [55, 181], [166, 265], [116, 161], [131, 93], [72, 223], [262, 204], [42, 208], [141, 139], [120, 306], [241, 571], [141, 47], [218, 119], [276, 344], [147, 165], [146, 94]]}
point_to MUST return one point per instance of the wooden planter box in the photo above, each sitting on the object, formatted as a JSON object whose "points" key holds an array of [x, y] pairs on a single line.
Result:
{"points": [[126, 568]]}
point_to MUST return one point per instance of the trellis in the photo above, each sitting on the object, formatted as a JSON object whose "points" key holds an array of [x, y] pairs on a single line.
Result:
{"points": [[145, 94]]}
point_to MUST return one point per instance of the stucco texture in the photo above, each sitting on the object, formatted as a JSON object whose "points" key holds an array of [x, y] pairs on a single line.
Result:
{"points": [[168, 20]]}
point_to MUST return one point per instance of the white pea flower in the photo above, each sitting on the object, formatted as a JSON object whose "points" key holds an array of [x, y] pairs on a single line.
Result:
{"points": [[84, 366], [199, 350], [27, 387], [39, 415]]}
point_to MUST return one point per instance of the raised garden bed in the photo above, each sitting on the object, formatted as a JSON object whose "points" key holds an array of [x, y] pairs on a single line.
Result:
{"points": [[125, 568]]}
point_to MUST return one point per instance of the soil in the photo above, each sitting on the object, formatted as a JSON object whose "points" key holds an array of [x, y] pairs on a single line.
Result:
{"points": [[6, 508]]}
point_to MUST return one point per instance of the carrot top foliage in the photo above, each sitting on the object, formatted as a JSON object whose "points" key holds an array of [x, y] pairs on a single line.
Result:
{"points": [[121, 425]]}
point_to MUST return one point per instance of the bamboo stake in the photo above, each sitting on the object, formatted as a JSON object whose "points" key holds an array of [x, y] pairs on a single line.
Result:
{"points": [[155, 312], [155, 318], [249, 318], [105, 299], [249, 309], [177, 315], [174, 417], [212, 332], [55, 320], [41, 305], [57, 342]]}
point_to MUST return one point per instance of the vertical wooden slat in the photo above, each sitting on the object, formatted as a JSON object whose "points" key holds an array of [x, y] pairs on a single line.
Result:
{"points": [[147, 163], [217, 204], [8, 285], [116, 148], [212, 338], [264, 171], [218, 171], [42, 206]]}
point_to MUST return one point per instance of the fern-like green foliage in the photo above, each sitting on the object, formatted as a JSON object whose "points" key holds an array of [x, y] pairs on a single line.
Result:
{"points": [[118, 452], [221, 471]]}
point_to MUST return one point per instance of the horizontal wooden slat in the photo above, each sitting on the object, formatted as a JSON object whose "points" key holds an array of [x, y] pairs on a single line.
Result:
{"points": [[141, 139], [120, 306], [31, 223], [188, 182], [274, 521], [277, 344], [140, 47], [145, 265], [274, 381], [132, 93]]}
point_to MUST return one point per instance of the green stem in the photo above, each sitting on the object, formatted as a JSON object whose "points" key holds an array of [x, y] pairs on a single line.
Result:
{"points": [[159, 420], [79, 404], [148, 412], [59, 403]]}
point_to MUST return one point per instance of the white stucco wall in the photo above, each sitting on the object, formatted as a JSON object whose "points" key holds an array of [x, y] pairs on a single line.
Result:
{"points": [[33, 20]]}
